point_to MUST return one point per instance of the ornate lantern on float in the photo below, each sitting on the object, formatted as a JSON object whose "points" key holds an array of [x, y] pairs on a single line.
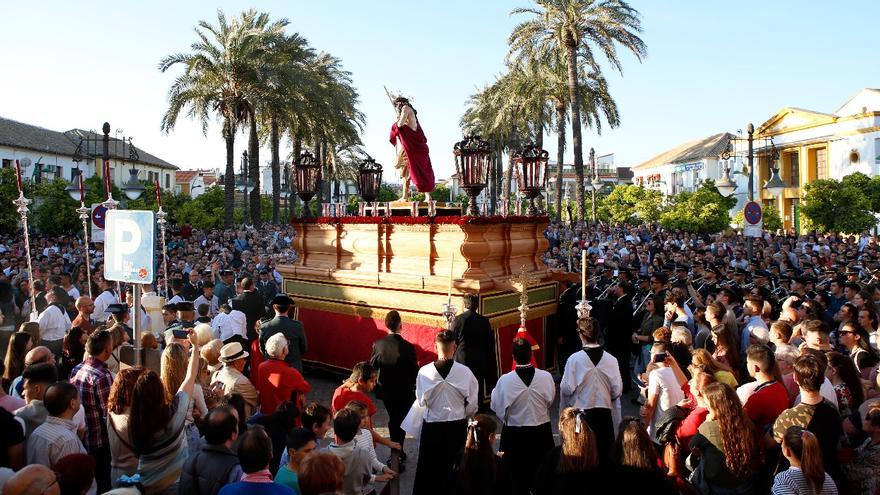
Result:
{"points": [[307, 171], [530, 167], [369, 179], [472, 166]]}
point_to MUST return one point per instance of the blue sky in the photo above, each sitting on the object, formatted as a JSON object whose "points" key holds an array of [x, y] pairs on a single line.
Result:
{"points": [[711, 67]]}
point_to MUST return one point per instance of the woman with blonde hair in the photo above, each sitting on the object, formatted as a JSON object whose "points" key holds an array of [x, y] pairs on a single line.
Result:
{"points": [[727, 445], [175, 360], [807, 473], [703, 361], [570, 467]]}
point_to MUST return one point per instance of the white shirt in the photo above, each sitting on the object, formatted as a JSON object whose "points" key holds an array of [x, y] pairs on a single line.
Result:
{"points": [[73, 292], [103, 300], [662, 382], [588, 386], [213, 304], [520, 405], [746, 391], [54, 323], [53, 440], [226, 326], [176, 299], [826, 391], [450, 399]]}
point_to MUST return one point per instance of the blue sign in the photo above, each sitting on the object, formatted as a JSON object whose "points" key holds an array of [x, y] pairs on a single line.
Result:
{"points": [[129, 246]]}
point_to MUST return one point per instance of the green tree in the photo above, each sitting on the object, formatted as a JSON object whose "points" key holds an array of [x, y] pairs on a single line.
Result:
{"points": [[771, 219], [573, 29], [832, 205], [703, 211], [631, 204], [55, 211], [9, 217]]}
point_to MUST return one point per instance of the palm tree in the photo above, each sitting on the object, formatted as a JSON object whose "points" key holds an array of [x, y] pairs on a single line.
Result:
{"points": [[261, 88], [288, 85], [577, 29], [212, 83]]}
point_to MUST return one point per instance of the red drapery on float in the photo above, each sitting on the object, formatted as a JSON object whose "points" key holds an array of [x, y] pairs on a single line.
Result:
{"points": [[416, 147]]}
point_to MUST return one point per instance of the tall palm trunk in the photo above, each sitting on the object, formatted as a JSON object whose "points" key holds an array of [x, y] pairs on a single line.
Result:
{"points": [[274, 143], [508, 176], [254, 169], [539, 134], [319, 159], [560, 154], [229, 177], [576, 139], [297, 150]]}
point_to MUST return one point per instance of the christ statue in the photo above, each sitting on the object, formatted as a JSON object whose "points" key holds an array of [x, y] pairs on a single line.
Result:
{"points": [[413, 163]]}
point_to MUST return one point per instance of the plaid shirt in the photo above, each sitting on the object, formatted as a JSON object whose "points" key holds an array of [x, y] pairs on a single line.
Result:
{"points": [[93, 380]]}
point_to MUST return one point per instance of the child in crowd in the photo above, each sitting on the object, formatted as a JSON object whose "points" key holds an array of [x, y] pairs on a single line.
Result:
{"points": [[300, 443], [358, 467]]}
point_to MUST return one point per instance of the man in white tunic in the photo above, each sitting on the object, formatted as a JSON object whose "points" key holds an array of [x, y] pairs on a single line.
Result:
{"points": [[592, 382], [54, 321], [522, 400], [103, 301], [448, 392]]}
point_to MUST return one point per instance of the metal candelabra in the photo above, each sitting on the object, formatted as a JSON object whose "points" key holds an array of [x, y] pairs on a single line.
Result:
{"points": [[85, 214], [522, 284]]}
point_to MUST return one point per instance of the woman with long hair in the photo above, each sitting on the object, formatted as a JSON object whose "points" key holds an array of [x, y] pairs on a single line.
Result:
{"points": [[568, 468], [703, 361], [727, 443], [856, 340], [726, 348], [652, 320], [19, 345], [73, 350], [174, 364], [634, 447], [807, 473], [157, 427], [847, 381], [123, 460], [478, 469]]}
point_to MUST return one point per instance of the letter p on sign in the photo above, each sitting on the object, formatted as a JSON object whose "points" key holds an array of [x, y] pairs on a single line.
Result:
{"points": [[129, 246]]}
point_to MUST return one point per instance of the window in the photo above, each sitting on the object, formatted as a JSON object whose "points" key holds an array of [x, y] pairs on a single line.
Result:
{"points": [[876, 151], [821, 163], [59, 172], [7, 163], [167, 181], [793, 166]]}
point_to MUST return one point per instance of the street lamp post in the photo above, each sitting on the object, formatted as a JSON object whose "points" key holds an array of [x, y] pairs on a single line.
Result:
{"points": [[750, 129], [596, 183]]}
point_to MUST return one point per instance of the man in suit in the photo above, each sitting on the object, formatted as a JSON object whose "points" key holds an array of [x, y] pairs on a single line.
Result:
{"points": [[266, 286], [618, 339], [395, 358], [475, 341], [193, 286], [251, 303], [290, 328]]}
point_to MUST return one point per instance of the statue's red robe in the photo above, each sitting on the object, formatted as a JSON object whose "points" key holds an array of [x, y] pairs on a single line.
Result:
{"points": [[416, 147]]}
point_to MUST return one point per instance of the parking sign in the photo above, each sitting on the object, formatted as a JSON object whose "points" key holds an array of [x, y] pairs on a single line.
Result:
{"points": [[129, 246]]}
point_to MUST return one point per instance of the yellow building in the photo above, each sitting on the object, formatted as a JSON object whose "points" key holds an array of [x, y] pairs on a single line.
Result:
{"points": [[814, 145]]}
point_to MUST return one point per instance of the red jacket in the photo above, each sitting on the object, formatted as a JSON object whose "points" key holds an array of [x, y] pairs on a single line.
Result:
{"points": [[276, 381]]}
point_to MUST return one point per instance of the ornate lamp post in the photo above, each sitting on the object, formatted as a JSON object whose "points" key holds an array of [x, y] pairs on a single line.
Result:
{"points": [[531, 174], [472, 166], [596, 184], [133, 189], [369, 181], [306, 179]]}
